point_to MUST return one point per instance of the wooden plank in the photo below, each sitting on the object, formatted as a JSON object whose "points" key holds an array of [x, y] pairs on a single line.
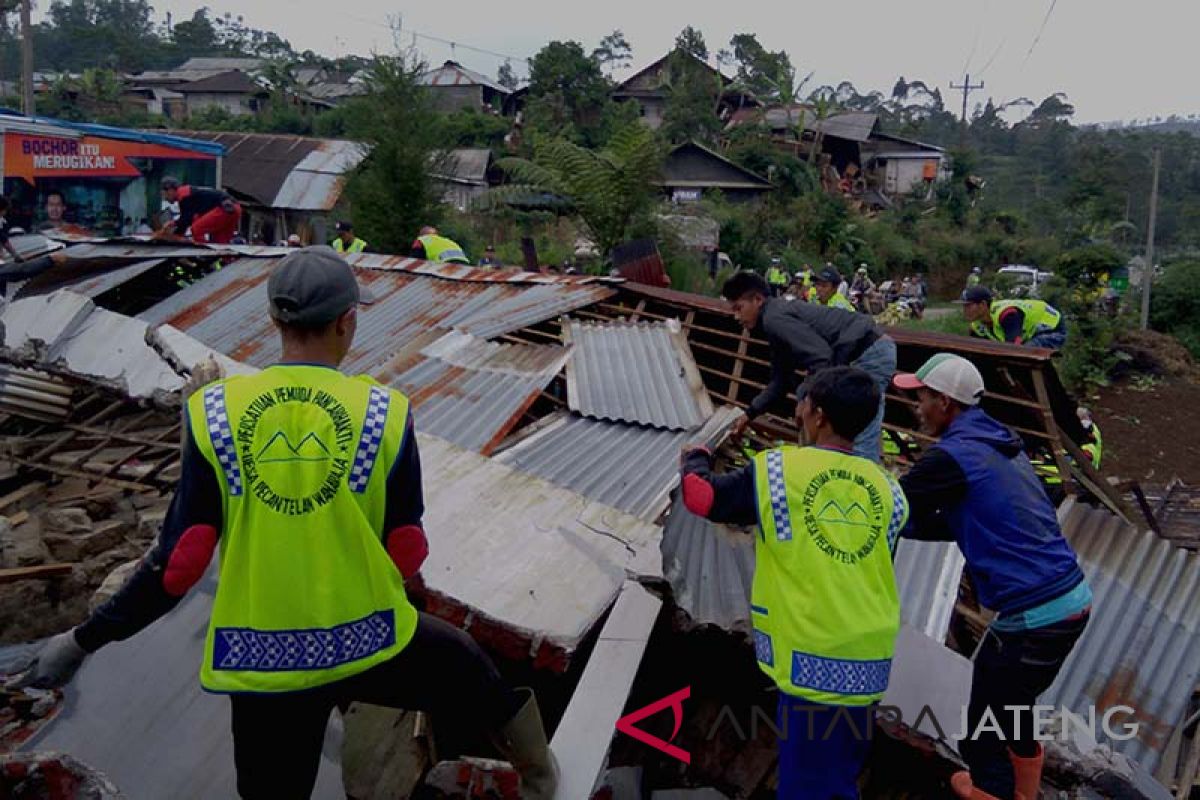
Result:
{"points": [[19, 518], [584, 735], [18, 495], [41, 571], [743, 346]]}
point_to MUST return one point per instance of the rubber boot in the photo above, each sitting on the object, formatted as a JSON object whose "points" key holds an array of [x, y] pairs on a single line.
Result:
{"points": [[523, 742], [1028, 772], [963, 787]]}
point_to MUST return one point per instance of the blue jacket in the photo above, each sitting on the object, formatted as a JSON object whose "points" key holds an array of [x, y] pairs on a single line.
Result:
{"points": [[977, 487]]}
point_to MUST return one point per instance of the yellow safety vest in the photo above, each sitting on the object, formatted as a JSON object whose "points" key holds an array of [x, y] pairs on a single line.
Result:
{"points": [[838, 300], [439, 248], [308, 595], [824, 601], [1039, 316], [357, 246], [777, 277], [1095, 447]]}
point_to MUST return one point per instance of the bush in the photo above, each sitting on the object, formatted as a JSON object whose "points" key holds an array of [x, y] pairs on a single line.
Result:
{"points": [[1175, 304]]}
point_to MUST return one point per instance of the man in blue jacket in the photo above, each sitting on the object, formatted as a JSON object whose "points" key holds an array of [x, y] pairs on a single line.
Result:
{"points": [[976, 487]]}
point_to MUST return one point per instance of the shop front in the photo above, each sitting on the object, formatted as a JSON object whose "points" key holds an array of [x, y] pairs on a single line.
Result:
{"points": [[93, 179]]}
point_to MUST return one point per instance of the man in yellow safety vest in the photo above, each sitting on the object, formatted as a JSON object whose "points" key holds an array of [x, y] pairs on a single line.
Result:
{"points": [[346, 241], [827, 282], [1033, 323], [432, 246], [309, 482], [824, 602]]}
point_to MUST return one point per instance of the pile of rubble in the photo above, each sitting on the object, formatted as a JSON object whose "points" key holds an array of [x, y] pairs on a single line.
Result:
{"points": [[63, 547]]}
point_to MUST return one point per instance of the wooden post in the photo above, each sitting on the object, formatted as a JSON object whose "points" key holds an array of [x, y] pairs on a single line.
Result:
{"points": [[26, 59]]}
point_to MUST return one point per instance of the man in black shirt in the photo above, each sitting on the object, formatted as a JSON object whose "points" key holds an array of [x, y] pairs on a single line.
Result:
{"points": [[810, 337]]}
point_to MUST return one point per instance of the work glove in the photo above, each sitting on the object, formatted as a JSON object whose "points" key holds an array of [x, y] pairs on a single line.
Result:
{"points": [[56, 664]]}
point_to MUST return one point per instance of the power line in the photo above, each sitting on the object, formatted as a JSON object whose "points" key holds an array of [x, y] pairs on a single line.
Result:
{"points": [[1041, 30], [454, 45], [995, 53]]}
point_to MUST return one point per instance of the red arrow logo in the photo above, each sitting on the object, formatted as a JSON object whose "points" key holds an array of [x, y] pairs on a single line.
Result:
{"points": [[673, 701]]}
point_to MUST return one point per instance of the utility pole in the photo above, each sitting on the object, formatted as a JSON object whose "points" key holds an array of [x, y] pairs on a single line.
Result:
{"points": [[967, 88], [1148, 271], [26, 58]]}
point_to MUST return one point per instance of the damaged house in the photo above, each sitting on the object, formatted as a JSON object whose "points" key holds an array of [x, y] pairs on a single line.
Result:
{"points": [[557, 404]]}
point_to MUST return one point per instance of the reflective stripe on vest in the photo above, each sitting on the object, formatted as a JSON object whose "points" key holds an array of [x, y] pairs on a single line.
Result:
{"points": [[308, 594], [1039, 316], [824, 602], [439, 248]]}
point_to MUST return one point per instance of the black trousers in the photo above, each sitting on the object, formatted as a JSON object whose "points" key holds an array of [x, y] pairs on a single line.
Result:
{"points": [[1012, 669], [277, 737]]}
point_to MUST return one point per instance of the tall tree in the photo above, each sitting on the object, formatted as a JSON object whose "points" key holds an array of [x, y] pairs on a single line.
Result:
{"points": [[758, 69], [390, 191], [613, 52], [567, 93], [506, 77], [691, 41], [693, 91]]}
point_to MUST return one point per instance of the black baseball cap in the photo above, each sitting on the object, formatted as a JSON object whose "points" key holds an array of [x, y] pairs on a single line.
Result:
{"points": [[344, 227], [976, 294], [828, 275], [312, 287]]}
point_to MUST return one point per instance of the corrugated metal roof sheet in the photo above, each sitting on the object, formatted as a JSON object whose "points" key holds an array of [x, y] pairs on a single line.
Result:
{"points": [[855, 126], [227, 311], [710, 568], [635, 372], [452, 73], [95, 284], [465, 164], [1141, 647], [630, 467], [472, 392], [281, 171], [928, 575]]}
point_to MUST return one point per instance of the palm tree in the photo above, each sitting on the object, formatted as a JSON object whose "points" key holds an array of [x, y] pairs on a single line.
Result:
{"points": [[606, 190]]}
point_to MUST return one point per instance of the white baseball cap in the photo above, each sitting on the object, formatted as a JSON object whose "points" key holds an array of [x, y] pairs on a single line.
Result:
{"points": [[953, 376]]}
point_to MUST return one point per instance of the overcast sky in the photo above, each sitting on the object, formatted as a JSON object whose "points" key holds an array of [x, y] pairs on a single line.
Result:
{"points": [[1115, 59]]}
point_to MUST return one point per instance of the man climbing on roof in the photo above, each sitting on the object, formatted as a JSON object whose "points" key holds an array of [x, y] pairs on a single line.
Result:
{"points": [[809, 337], [977, 488], [310, 482], [1029, 322], [824, 603], [211, 215], [432, 246], [346, 241], [826, 283]]}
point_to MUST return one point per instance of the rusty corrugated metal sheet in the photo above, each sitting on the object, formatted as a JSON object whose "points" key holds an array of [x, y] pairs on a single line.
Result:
{"points": [[472, 392], [227, 311], [635, 372], [1141, 648]]}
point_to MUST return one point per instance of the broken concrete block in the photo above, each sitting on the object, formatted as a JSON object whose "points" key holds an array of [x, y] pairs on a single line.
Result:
{"points": [[66, 520], [62, 546], [103, 536], [150, 522], [112, 584], [29, 328], [21, 546]]}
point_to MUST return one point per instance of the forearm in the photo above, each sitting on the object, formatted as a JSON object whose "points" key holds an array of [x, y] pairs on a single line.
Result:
{"points": [[728, 499], [403, 534]]}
